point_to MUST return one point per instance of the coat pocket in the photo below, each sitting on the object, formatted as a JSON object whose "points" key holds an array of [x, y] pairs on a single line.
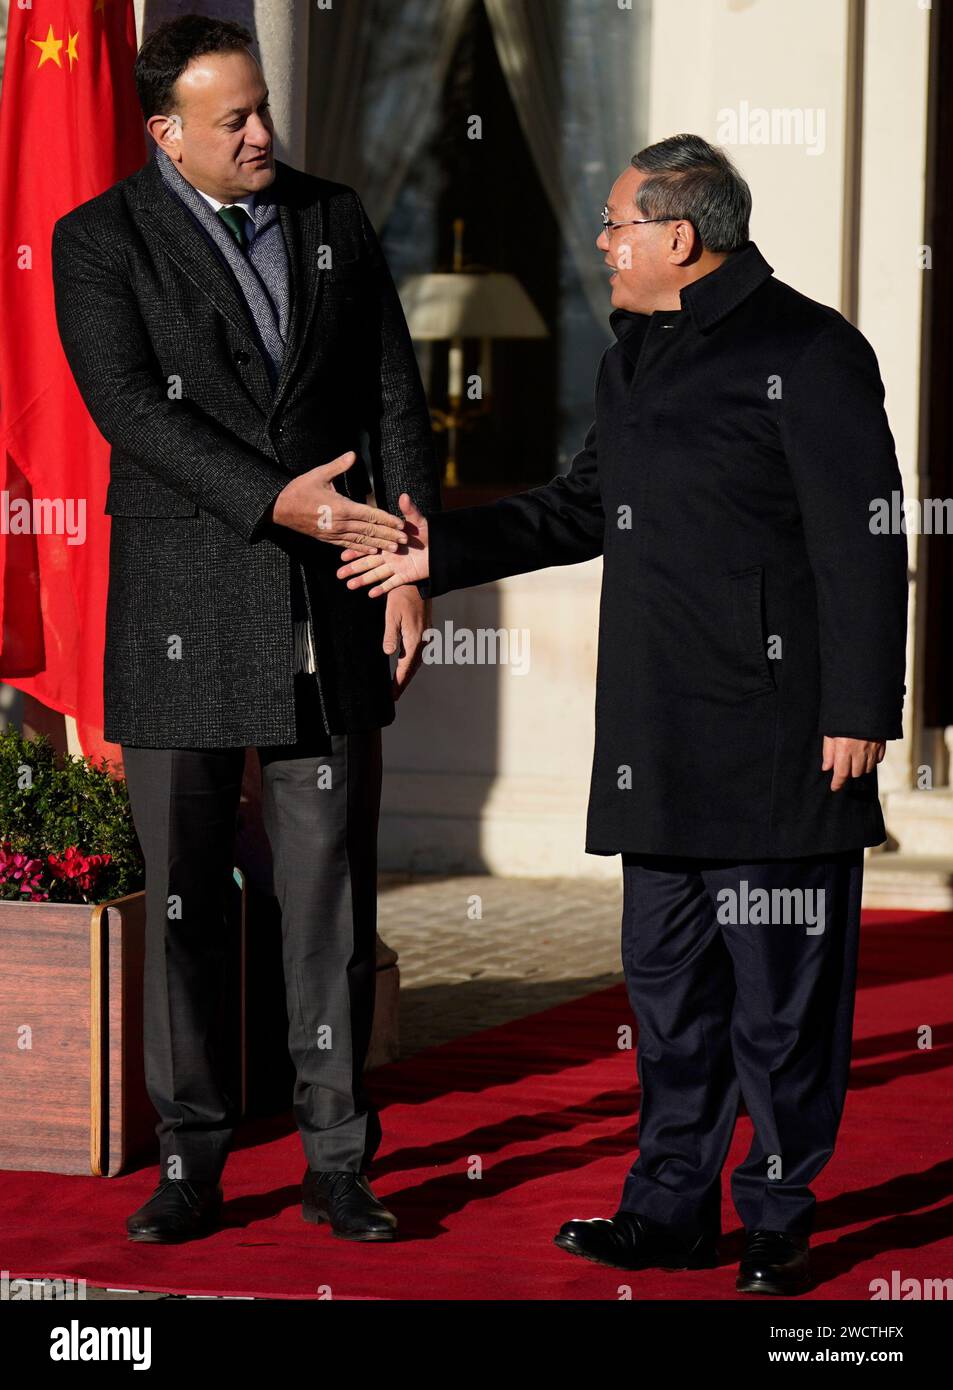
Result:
{"points": [[141, 497], [747, 607]]}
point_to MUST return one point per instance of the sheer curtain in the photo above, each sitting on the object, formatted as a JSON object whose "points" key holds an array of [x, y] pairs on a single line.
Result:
{"points": [[577, 71], [376, 74]]}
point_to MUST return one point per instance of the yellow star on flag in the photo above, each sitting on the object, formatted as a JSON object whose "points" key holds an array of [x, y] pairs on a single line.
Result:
{"points": [[49, 48], [71, 53]]}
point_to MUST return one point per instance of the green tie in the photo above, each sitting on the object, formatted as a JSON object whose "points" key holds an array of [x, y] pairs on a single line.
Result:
{"points": [[236, 219]]}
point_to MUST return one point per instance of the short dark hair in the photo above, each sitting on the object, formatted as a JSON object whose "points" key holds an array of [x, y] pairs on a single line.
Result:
{"points": [[687, 177], [170, 48]]}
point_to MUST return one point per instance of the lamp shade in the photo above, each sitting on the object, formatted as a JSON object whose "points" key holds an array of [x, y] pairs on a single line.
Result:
{"points": [[463, 305]]}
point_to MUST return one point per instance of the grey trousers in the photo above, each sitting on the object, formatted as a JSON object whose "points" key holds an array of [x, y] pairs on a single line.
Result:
{"points": [[321, 801]]}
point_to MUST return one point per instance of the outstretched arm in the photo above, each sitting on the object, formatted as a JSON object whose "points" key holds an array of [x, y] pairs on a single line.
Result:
{"points": [[561, 523]]}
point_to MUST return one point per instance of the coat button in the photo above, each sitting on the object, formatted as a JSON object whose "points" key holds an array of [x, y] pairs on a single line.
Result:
{"points": [[241, 357]]}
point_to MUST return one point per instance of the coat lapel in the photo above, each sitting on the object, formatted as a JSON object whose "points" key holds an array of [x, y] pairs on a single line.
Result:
{"points": [[303, 233], [197, 259]]}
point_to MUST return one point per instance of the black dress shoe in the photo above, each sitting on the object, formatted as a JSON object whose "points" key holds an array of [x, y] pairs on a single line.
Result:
{"points": [[345, 1200], [178, 1210], [774, 1262], [629, 1241]]}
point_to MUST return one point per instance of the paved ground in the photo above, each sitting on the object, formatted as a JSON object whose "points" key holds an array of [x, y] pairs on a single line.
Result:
{"points": [[479, 951], [536, 943]]}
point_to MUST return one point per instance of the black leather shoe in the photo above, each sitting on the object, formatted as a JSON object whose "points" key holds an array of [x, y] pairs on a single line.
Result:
{"points": [[774, 1262], [345, 1200], [629, 1241], [178, 1210]]}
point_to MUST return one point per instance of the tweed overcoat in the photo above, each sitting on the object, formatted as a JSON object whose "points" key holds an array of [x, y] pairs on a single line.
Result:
{"points": [[749, 605], [199, 625]]}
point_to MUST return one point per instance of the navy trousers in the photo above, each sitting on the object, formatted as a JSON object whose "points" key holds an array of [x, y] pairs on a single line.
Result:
{"points": [[741, 977]]}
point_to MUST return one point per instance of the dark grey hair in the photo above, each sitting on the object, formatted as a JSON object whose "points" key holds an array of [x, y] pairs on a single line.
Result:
{"points": [[689, 178], [168, 50]]}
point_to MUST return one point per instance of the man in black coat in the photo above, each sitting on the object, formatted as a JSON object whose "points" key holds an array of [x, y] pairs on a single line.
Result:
{"points": [[751, 669], [234, 331]]}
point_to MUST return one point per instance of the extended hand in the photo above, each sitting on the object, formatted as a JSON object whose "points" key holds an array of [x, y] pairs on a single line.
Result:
{"points": [[312, 505], [408, 566], [850, 757]]}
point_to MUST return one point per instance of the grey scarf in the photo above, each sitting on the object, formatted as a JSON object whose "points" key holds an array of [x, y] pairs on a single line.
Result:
{"points": [[262, 272], [263, 277]]}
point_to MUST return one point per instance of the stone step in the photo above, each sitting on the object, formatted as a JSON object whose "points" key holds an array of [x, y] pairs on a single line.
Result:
{"points": [[921, 882], [921, 822]]}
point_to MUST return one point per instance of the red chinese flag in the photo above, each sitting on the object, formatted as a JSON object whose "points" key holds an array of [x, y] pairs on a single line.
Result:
{"points": [[70, 126]]}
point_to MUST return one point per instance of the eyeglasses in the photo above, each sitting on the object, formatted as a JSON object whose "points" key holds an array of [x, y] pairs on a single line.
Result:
{"points": [[610, 226]]}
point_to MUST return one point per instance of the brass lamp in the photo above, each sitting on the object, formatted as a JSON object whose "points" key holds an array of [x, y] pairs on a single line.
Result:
{"points": [[468, 302]]}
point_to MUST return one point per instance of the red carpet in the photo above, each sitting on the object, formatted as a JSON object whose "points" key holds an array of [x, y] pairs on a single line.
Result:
{"points": [[547, 1106]]}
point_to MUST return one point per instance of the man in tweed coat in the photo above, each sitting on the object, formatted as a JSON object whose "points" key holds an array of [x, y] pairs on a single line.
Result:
{"points": [[234, 329]]}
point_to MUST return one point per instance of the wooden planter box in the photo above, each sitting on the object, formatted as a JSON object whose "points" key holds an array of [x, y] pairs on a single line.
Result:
{"points": [[72, 1087]]}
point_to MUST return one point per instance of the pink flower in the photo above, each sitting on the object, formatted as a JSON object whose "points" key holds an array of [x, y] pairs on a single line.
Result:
{"points": [[21, 871]]}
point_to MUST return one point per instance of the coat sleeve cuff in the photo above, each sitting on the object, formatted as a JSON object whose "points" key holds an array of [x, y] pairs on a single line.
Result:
{"points": [[441, 569], [870, 724], [259, 517]]}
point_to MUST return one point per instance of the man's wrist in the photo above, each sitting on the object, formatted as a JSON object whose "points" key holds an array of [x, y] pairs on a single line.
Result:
{"points": [[274, 507]]}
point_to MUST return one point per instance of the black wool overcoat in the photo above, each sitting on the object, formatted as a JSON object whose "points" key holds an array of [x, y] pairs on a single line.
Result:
{"points": [[168, 360], [748, 605]]}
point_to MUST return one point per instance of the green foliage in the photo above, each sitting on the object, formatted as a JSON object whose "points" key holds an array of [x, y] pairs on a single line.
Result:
{"points": [[49, 802]]}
